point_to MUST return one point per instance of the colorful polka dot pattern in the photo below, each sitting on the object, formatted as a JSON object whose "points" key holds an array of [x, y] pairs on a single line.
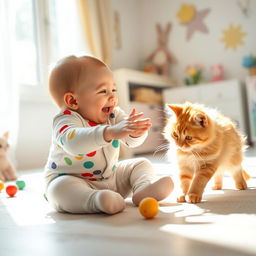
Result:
{"points": [[87, 164], [71, 134], [67, 112], [68, 160], [54, 165], [115, 143], [91, 123], [63, 128], [97, 172], [87, 174], [91, 154]]}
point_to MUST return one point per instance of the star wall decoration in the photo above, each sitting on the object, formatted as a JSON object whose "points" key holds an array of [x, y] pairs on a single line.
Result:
{"points": [[192, 19], [233, 37]]}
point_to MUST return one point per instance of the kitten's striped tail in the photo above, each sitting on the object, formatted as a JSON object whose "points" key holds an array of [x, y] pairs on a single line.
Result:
{"points": [[246, 175]]}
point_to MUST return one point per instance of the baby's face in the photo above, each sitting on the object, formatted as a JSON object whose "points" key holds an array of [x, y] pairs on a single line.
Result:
{"points": [[96, 95]]}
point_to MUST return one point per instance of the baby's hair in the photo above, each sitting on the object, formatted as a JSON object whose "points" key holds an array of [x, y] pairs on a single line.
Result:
{"points": [[66, 74]]}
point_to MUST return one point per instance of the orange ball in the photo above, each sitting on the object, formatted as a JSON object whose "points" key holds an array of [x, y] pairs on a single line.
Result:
{"points": [[148, 207], [1, 185], [11, 190]]}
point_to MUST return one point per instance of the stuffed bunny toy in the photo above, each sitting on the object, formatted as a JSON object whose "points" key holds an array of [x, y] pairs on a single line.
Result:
{"points": [[161, 57], [7, 171]]}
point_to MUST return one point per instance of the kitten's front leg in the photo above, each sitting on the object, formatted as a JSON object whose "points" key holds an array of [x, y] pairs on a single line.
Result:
{"points": [[201, 178], [186, 175]]}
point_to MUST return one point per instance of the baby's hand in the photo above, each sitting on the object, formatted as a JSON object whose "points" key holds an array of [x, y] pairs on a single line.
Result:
{"points": [[132, 126], [140, 126]]}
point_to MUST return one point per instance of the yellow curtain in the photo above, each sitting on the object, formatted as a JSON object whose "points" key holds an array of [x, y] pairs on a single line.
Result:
{"points": [[97, 23]]}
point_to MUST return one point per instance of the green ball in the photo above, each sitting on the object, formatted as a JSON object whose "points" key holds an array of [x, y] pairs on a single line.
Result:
{"points": [[21, 184]]}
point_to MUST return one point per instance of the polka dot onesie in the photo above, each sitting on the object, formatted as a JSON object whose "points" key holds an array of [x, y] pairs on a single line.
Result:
{"points": [[81, 163]]}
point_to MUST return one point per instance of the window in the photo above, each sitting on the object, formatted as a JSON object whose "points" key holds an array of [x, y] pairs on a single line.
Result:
{"points": [[44, 31], [26, 43]]}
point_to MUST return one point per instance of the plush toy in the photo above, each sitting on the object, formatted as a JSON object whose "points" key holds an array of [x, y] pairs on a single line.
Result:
{"points": [[217, 73], [161, 57], [7, 171]]}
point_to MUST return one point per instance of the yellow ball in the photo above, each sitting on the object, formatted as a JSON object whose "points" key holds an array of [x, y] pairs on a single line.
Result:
{"points": [[148, 207], [1, 185]]}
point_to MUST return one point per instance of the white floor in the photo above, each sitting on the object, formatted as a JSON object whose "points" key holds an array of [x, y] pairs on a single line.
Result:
{"points": [[223, 224]]}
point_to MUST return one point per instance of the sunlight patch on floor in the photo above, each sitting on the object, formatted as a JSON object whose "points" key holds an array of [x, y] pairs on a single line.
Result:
{"points": [[27, 208], [24, 213], [218, 231]]}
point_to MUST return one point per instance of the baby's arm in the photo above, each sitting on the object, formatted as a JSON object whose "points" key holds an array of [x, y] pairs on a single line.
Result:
{"points": [[132, 129], [74, 138]]}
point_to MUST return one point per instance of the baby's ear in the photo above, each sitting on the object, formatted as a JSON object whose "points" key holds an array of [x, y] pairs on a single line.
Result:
{"points": [[70, 100], [176, 108], [6, 135], [201, 120]]}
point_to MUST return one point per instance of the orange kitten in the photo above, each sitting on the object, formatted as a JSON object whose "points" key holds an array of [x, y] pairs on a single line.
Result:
{"points": [[208, 144]]}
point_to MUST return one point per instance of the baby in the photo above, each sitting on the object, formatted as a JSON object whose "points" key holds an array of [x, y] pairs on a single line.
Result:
{"points": [[83, 174]]}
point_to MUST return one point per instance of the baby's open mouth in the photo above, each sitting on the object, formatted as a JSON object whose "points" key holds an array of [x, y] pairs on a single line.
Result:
{"points": [[106, 110]]}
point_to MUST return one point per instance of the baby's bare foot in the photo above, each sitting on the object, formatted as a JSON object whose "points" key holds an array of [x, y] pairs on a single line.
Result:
{"points": [[158, 190]]}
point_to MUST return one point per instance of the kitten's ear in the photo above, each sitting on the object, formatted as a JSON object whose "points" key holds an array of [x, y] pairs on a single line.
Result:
{"points": [[201, 120], [6, 135], [177, 109]]}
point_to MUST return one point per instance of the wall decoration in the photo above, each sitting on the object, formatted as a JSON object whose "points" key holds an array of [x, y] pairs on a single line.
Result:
{"points": [[244, 6], [186, 13], [117, 31], [193, 19], [233, 37], [161, 57]]}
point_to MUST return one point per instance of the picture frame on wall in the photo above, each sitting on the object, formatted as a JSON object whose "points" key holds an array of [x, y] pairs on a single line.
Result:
{"points": [[251, 99]]}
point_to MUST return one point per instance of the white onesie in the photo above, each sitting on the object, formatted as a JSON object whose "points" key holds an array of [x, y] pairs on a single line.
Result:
{"points": [[81, 162]]}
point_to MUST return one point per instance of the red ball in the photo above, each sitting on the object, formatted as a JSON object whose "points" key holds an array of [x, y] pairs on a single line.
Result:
{"points": [[11, 190]]}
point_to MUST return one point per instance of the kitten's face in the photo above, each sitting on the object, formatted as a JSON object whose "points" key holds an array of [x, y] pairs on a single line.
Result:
{"points": [[190, 128]]}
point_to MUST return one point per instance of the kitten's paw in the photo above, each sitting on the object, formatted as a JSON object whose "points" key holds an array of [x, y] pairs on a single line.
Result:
{"points": [[217, 187], [181, 199], [194, 198], [241, 185]]}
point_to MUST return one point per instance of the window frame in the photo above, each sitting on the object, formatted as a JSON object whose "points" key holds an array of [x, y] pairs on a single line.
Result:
{"points": [[38, 92]]}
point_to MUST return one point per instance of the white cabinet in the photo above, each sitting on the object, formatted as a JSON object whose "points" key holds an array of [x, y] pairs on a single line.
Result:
{"points": [[226, 96], [149, 101], [251, 100]]}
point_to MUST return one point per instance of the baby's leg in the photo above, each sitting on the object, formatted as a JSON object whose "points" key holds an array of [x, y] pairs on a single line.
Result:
{"points": [[72, 194], [139, 174]]}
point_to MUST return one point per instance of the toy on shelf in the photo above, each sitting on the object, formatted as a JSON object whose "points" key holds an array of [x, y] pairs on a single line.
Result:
{"points": [[249, 62], [161, 57], [217, 73], [7, 171], [148, 207], [194, 75], [11, 190]]}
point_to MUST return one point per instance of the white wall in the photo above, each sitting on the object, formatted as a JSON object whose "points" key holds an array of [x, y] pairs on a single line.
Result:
{"points": [[205, 49], [128, 56], [34, 137]]}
